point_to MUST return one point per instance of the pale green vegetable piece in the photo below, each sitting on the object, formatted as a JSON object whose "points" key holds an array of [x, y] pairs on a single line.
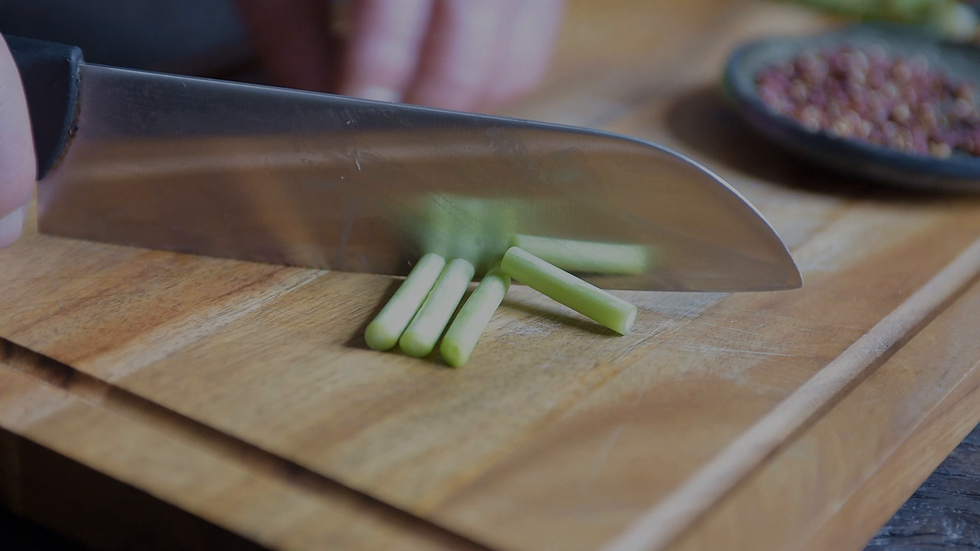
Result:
{"points": [[428, 324], [385, 330], [904, 11], [465, 331], [456, 226], [581, 296], [955, 20], [587, 256]]}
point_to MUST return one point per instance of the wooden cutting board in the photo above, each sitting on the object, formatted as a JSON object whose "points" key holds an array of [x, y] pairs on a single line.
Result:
{"points": [[182, 402]]}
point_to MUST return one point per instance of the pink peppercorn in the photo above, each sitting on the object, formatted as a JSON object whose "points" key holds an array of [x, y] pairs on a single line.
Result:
{"points": [[868, 95]]}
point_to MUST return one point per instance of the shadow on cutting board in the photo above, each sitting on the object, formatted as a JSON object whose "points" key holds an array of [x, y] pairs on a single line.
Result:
{"points": [[704, 121], [41, 486], [553, 315], [19, 534]]}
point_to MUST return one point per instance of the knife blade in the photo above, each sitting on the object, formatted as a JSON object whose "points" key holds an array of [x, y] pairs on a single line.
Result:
{"points": [[267, 174]]}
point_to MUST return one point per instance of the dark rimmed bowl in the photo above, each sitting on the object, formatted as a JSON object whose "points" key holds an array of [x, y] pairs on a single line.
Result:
{"points": [[877, 163]]}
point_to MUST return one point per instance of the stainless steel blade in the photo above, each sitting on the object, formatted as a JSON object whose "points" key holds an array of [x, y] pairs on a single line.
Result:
{"points": [[283, 176]]}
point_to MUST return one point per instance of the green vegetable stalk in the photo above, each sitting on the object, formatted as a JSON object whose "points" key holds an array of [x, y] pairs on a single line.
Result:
{"points": [[581, 296], [420, 338], [462, 336], [587, 256], [951, 18], [385, 330], [904, 11], [455, 226]]}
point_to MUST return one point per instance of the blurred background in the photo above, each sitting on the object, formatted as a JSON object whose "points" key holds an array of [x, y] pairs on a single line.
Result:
{"points": [[208, 38]]}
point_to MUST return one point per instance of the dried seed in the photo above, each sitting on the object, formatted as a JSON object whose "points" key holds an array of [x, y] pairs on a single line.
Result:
{"points": [[868, 95]]}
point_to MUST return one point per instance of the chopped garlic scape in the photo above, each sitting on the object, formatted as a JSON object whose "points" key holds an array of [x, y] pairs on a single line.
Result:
{"points": [[422, 334], [581, 296], [383, 333], [462, 336], [587, 256]]}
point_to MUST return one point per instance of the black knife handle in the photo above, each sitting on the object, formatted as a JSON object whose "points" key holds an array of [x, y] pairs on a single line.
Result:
{"points": [[49, 74]]}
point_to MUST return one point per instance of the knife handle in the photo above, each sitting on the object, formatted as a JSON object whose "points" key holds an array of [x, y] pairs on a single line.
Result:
{"points": [[49, 74]]}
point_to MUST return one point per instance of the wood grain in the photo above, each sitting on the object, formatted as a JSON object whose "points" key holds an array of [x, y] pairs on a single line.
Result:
{"points": [[848, 472], [259, 496], [744, 454], [558, 434]]}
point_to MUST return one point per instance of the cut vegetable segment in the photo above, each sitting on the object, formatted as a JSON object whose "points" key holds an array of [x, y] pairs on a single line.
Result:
{"points": [[465, 331], [383, 333], [587, 256], [585, 298], [457, 226], [430, 321]]}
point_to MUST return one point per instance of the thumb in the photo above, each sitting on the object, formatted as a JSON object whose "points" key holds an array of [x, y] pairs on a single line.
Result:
{"points": [[18, 167]]}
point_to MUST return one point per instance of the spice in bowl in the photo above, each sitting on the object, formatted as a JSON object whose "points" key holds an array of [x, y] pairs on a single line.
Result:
{"points": [[868, 95]]}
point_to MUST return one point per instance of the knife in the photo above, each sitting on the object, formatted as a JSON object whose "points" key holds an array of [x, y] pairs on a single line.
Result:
{"points": [[267, 174]]}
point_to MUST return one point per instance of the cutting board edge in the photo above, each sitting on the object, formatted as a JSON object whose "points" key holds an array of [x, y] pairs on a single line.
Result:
{"points": [[49, 376]]}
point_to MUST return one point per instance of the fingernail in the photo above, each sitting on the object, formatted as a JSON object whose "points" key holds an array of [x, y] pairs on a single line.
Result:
{"points": [[11, 226], [378, 93]]}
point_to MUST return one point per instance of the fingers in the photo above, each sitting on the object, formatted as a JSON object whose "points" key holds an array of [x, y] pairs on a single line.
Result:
{"points": [[18, 167], [292, 40], [524, 57], [453, 54], [459, 54], [383, 52]]}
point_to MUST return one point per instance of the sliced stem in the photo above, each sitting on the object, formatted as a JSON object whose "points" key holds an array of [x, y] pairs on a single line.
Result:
{"points": [[585, 298], [385, 330], [462, 336], [420, 338], [587, 256]]}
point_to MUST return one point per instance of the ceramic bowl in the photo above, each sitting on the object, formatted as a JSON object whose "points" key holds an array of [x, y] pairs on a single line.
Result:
{"points": [[877, 163]]}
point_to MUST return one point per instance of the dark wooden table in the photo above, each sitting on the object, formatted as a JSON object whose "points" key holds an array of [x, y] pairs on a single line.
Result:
{"points": [[944, 513]]}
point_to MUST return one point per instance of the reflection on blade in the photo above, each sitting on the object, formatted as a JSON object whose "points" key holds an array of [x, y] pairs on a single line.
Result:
{"points": [[282, 176]]}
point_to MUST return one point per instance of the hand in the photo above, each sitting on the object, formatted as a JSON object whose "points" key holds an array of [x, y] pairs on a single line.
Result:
{"points": [[451, 54], [17, 164]]}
